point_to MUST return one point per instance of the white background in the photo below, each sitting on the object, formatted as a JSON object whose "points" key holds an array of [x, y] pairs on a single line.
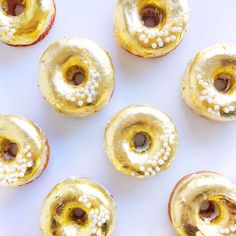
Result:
{"points": [[77, 144]]}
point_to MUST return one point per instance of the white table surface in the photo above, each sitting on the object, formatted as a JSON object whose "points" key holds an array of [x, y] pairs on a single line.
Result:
{"points": [[77, 144]]}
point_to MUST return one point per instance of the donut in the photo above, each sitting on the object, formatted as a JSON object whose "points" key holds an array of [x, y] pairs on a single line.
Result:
{"points": [[150, 28], [78, 206], [209, 83], [76, 76], [25, 22], [140, 141], [203, 204], [24, 151]]}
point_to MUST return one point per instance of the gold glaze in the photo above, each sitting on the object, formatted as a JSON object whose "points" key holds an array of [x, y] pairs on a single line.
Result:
{"points": [[121, 131], [134, 36], [198, 88], [78, 193], [32, 155], [188, 196], [28, 27], [67, 57]]}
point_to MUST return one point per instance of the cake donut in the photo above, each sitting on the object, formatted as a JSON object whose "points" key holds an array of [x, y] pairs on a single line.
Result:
{"points": [[140, 141], [203, 204], [78, 206], [24, 151], [150, 28], [208, 85], [76, 76], [25, 22]]}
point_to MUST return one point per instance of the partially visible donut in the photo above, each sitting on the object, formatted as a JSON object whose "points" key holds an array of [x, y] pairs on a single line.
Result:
{"points": [[24, 151], [209, 83], [76, 76], [150, 28], [140, 141], [78, 206], [29, 26], [203, 204]]}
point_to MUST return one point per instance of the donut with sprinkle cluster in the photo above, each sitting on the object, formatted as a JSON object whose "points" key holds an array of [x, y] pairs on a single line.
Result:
{"points": [[209, 83], [150, 28], [24, 151], [203, 204], [78, 206], [76, 76], [25, 22], [141, 141]]}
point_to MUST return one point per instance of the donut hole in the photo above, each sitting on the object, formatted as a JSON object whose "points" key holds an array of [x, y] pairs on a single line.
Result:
{"points": [[79, 216], [9, 151], [152, 16], [209, 211], [223, 83], [75, 76], [13, 7], [141, 141]]}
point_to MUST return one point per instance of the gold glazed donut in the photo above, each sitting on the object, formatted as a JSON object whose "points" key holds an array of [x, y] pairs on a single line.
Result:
{"points": [[209, 83], [24, 151], [150, 28], [78, 206], [203, 204], [76, 76], [140, 141], [29, 27]]}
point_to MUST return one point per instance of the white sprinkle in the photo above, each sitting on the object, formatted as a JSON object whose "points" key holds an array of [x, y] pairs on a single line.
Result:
{"points": [[166, 33], [133, 174], [159, 40], [154, 45], [202, 98], [142, 37], [161, 162], [226, 110], [173, 38], [80, 103], [146, 41], [146, 173], [154, 163], [160, 33], [142, 168], [157, 169], [153, 173], [29, 154], [168, 39], [217, 107], [28, 146], [89, 100], [210, 100], [232, 108], [161, 44], [149, 169]]}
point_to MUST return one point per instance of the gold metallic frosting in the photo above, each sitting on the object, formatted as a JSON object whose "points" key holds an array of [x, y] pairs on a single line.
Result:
{"points": [[59, 68], [193, 192], [32, 152], [78, 207], [213, 65], [140, 141], [134, 36], [28, 27]]}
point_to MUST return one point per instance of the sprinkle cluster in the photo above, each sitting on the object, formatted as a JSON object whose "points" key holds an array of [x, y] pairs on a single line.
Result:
{"points": [[10, 173], [209, 96], [153, 166], [158, 39], [98, 216], [86, 95], [7, 32]]}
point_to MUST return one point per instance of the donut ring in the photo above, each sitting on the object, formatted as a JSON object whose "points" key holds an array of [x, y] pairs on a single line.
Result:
{"points": [[78, 206], [28, 28], [199, 86], [24, 151], [140, 141], [192, 193], [65, 61], [170, 20]]}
